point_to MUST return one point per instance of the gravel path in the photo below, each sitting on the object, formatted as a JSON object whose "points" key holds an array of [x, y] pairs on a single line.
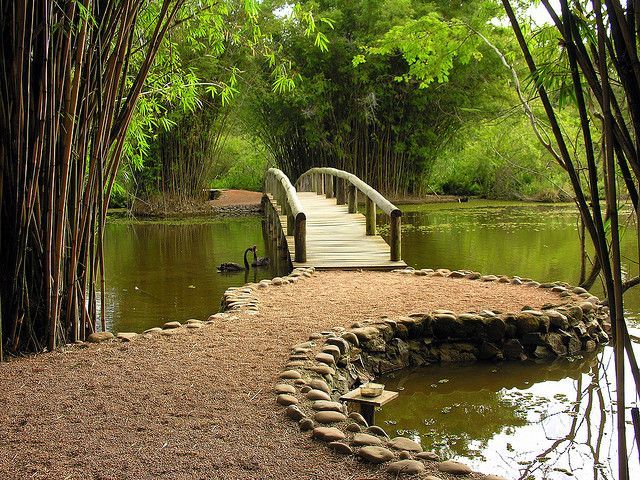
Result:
{"points": [[199, 404]]}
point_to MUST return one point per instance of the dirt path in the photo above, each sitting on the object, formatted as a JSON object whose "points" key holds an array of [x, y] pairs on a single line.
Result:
{"points": [[237, 197], [199, 404]]}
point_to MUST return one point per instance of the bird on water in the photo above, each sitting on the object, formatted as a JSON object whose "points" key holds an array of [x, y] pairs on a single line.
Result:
{"points": [[234, 267]]}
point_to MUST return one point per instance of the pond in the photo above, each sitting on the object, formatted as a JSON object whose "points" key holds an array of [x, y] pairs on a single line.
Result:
{"points": [[519, 420], [159, 271]]}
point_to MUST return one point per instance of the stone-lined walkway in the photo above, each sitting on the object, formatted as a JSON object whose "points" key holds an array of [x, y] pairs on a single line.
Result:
{"points": [[198, 403]]}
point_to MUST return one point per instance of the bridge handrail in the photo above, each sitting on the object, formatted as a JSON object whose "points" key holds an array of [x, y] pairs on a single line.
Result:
{"points": [[319, 177], [279, 186], [383, 204]]}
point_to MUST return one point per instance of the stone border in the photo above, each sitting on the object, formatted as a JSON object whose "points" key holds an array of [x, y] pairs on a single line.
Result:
{"points": [[331, 363]]}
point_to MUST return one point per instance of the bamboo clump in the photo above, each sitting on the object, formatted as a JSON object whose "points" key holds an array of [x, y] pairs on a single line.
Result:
{"points": [[68, 91]]}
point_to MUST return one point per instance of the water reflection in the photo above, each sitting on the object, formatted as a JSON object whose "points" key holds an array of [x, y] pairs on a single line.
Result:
{"points": [[162, 271], [539, 241], [519, 420]]}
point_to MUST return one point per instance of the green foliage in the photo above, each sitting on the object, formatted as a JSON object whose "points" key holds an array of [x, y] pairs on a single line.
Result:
{"points": [[499, 160], [242, 163], [429, 45]]}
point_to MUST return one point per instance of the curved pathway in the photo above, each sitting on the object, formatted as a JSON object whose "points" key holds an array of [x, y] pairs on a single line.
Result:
{"points": [[199, 403]]}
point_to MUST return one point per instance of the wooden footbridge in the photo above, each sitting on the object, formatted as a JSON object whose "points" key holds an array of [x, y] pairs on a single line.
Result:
{"points": [[320, 225]]}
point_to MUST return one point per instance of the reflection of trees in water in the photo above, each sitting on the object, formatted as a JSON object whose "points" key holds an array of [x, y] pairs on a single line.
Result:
{"points": [[582, 444], [474, 404]]}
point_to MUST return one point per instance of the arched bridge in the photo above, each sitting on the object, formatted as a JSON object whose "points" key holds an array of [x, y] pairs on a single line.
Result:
{"points": [[320, 225]]}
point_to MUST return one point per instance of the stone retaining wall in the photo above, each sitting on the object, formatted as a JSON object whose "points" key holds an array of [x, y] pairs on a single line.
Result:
{"points": [[331, 363]]}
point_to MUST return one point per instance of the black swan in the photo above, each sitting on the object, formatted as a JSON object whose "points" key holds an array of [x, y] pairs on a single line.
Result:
{"points": [[259, 261], [234, 267]]}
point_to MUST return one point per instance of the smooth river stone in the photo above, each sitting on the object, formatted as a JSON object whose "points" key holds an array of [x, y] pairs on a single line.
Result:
{"points": [[153, 330], [406, 467], [318, 384], [318, 395], [375, 454], [332, 350], [290, 374], [328, 434], [376, 430], [294, 413], [305, 424], [340, 343], [432, 456], [351, 338], [329, 416], [325, 405], [454, 468], [356, 417], [98, 337], [341, 448], [366, 439], [126, 336], [325, 358], [323, 369], [170, 325], [286, 400], [403, 443]]}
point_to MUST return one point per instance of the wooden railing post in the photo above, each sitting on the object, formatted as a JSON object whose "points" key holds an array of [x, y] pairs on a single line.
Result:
{"points": [[320, 184], [329, 186], [396, 235], [290, 222], [353, 198], [300, 238], [370, 213], [340, 200]]}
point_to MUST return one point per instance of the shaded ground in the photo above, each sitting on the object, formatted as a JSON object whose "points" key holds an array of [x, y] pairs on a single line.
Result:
{"points": [[199, 404], [237, 197], [230, 202]]}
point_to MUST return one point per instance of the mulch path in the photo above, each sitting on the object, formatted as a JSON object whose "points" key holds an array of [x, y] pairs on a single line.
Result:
{"points": [[199, 404], [237, 197]]}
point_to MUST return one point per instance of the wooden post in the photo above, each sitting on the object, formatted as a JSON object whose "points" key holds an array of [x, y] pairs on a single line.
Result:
{"points": [[329, 187], [320, 184], [300, 238], [396, 240], [353, 198], [290, 221], [340, 200], [370, 213]]}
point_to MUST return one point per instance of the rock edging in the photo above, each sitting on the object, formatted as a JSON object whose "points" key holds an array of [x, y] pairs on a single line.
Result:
{"points": [[333, 362]]}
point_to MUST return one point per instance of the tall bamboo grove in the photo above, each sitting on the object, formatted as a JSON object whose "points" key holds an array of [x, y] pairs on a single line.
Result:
{"points": [[70, 74]]}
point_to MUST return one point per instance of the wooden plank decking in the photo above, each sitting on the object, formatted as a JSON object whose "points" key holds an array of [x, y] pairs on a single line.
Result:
{"points": [[337, 239]]}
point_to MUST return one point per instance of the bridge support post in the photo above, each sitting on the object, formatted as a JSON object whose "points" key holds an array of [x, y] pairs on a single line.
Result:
{"points": [[370, 213], [340, 200], [329, 186], [291, 222], [395, 237], [300, 238], [353, 198], [320, 184]]}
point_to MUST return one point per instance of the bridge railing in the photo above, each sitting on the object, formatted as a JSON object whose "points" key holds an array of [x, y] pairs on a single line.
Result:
{"points": [[278, 185], [344, 187]]}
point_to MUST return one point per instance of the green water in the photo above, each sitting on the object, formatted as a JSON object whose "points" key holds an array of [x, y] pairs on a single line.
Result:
{"points": [[519, 420], [539, 241], [166, 270]]}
